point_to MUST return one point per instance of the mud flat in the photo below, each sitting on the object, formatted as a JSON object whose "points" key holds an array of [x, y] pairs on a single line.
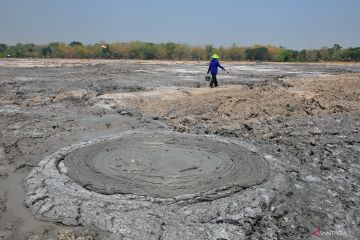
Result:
{"points": [[145, 150]]}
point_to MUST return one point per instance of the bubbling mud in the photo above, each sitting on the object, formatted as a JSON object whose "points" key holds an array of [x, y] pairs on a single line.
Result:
{"points": [[163, 165]]}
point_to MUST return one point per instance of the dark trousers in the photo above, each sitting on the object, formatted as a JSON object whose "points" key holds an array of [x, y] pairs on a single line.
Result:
{"points": [[213, 80]]}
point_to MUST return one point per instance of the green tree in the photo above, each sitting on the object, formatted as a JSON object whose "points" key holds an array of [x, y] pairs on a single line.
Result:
{"points": [[235, 53], [182, 52], [335, 52], [149, 51], [289, 56], [53, 49], [46, 51], [170, 50], [209, 50], [350, 54], [221, 52], [75, 43], [259, 53], [311, 55], [105, 51], [336, 47], [198, 53], [302, 55], [3, 47]]}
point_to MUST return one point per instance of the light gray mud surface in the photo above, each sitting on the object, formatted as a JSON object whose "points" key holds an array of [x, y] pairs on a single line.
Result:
{"points": [[298, 124], [165, 165]]}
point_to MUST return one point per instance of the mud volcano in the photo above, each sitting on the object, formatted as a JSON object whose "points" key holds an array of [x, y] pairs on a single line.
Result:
{"points": [[135, 183], [163, 165]]}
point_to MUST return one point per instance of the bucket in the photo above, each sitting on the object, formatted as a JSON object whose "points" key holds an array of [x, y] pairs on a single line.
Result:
{"points": [[207, 77]]}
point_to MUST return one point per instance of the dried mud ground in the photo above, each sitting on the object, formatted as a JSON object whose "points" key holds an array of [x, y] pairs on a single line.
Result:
{"points": [[305, 115]]}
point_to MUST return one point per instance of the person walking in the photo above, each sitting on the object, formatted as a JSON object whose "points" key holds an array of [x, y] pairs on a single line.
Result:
{"points": [[213, 69]]}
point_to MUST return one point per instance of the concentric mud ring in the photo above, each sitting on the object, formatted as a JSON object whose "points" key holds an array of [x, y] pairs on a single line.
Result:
{"points": [[164, 165]]}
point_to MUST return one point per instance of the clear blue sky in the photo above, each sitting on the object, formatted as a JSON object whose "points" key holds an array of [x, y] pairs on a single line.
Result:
{"points": [[295, 24]]}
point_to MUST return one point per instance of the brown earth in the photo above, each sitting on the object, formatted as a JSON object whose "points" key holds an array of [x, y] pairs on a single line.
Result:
{"points": [[234, 107]]}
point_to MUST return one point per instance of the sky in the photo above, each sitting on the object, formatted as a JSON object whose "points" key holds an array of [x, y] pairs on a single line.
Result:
{"points": [[294, 24]]}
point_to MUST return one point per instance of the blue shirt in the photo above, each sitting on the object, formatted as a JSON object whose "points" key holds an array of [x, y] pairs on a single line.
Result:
{"points": [[213, 67]]}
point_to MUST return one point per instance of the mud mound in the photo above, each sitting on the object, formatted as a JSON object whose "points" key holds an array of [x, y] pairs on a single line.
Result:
{"points": [[131, 184], [164, 165]]}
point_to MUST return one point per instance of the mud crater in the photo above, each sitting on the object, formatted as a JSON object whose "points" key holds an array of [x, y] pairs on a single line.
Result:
{"points": [[164, 165]]}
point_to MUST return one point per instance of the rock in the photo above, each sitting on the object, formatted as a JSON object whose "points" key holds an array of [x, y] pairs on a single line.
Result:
{"points": [[312, 142], [249, 126], [187, 120], [315, 131]]}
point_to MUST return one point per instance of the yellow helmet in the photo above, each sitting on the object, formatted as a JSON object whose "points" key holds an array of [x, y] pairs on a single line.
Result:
{"points": [[215, 56]]}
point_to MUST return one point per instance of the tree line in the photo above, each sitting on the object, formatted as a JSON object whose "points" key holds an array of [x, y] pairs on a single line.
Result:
{"points": [[177, 51]]}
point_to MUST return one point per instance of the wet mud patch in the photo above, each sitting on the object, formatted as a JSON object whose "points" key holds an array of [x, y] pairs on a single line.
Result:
{"points": [[165, 181]]}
